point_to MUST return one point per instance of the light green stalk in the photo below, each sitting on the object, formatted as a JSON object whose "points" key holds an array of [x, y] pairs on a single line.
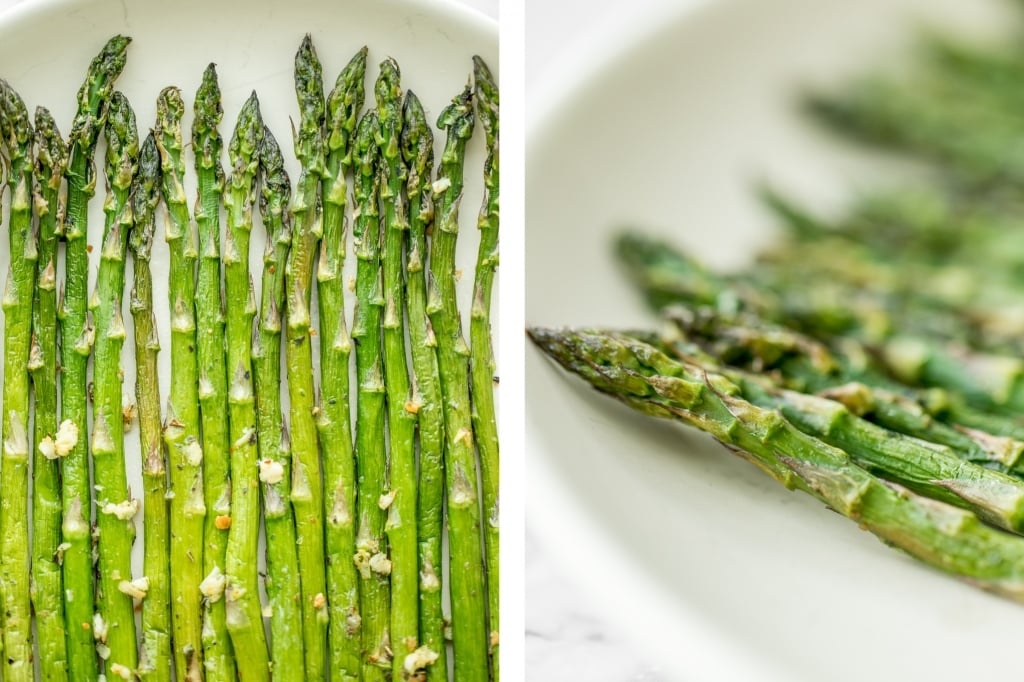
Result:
{"points": [[468, 594], [400, 499], [418, 152], [155, 653], [47, 586], [334, 420], [485, 427], [181, 422], [77, 335], [16, 131], [115, 508], [307, 481], [945, 537], [371, 459], [213, 384], [244, 614], [284, 590]]}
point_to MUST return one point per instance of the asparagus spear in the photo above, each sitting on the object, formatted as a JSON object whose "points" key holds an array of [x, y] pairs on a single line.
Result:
{"points": [[307, 484], [371, 464], [155, 653], [283, 585], [485, 428], [115, 507], [947, 538], [845, 374], [333, 423], [929, 469], [17, 134], [213, 384], [181, 422], [986, 381], [418, 152], [47, 587], [469, 629], [400, 499], [244, 614], [76, 343]]}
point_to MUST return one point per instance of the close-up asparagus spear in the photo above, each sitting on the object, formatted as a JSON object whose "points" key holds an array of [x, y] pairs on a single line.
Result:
{"points": [[47, 585], [17, 134], [469, 627], [115, 507], [213, 384], [947, 538], [334, 419], [307, 481], [181, 421], [418, 152], [485, 427], [155, 652], [284, 590], [77, 333], [927, 468], [400, 496], [371, 464], [244, 614]]}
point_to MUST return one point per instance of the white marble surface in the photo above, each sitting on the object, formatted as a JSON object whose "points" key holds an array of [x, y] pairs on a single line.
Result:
{"points": [[565, 638]]}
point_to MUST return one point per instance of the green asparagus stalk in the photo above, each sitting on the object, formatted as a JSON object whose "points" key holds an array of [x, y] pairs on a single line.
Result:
{"points": [[334, 419], [244, 614], [469, 628], [47, 586], [115, 507], [987, 381], [77, 336], [155, 653], [283, 585], [945, 537], [485, 427], [400, 498], [17, 134], [181, 422], [307, 482], [846, 375], [371, 557], [213, 384], [418, 152], [929, 469]]}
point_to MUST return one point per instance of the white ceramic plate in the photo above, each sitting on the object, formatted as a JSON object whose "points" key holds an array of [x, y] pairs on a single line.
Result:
{"points": [[715, 570], [46, 46]]}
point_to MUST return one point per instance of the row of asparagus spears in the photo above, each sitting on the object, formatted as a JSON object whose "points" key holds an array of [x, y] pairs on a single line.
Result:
{"points": [[872, 360], [354, 513]]}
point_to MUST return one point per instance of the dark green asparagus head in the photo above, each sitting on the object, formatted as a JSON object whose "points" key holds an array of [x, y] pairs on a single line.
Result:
{"points": [[457, 119], [276, 188], [486, 100], [309, 90], [17, 132], [343, 105], [93, 98], [51, 151], [388, 91], [206, 140], [145, 197], [122, 142], [169, 110], [366, 160], [243, 150], [417, 143]]}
